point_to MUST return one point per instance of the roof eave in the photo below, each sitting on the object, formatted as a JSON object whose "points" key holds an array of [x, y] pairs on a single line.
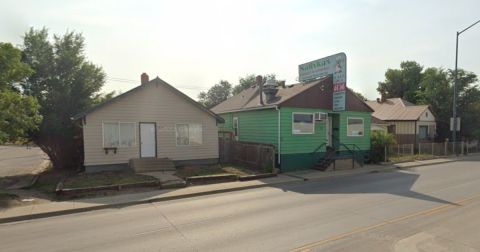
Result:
{"points": [[249, 109]]}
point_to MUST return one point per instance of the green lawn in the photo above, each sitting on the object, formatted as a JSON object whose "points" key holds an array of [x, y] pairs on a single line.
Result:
{"points": [[205, 170], [87, 180]]}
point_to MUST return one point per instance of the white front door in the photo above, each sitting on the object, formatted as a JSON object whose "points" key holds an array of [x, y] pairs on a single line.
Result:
{"points": [[147, 140]]}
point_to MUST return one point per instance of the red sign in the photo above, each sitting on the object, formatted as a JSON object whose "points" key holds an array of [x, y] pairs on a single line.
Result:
{"points": [[339, 87]]}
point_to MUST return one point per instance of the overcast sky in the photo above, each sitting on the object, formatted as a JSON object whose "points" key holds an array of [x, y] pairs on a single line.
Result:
{"points": [[194, 44]]}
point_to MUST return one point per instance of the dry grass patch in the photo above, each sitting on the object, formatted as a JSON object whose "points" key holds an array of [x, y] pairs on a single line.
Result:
{"points": [[207, 170], [90, 180]]}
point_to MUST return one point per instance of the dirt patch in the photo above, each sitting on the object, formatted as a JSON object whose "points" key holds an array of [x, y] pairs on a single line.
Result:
{"points": [[9, 200]]}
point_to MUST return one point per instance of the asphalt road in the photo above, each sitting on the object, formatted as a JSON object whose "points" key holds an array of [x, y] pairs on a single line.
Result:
{"points": [[432, 208], [20, 160]]}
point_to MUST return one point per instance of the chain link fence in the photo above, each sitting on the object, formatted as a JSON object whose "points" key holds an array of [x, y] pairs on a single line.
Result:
{"points": [[404, 152]]}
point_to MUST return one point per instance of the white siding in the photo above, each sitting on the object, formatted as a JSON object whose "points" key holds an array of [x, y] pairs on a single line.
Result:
{"points": [[152, 103]]}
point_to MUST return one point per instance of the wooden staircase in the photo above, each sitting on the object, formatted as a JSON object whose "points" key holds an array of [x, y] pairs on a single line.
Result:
{"points": [[325, 162], [151, 164]]}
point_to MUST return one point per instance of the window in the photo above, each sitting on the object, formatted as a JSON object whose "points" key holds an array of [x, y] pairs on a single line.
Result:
{"points": [[355, 126], [391, 129], [182, 134], [235, 127], [302, 123], [423, 132], [127, 134], [116, 134], [189, 134]]}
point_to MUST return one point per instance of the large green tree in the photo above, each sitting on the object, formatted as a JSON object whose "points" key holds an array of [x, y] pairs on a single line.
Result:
{"points": [[216, 94], [64, 83], [12, 69], [435, 90], [19, 114], [468, 102], [403, 82]]}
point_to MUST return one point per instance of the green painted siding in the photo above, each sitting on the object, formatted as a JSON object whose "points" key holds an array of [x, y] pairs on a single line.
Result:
{"points": [[258, 126], [363, 142], [300, 143], [296, 149]]}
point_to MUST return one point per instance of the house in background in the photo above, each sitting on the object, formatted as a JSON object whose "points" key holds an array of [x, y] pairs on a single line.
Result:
{"points": [[298, 120], [409, 123], [153, 122], [378, 125]]}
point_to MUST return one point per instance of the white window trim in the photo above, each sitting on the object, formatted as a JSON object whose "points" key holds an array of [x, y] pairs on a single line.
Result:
{"points": [[363, 123], [118, 125], [303, 113], [187, 145], [235, 119]]}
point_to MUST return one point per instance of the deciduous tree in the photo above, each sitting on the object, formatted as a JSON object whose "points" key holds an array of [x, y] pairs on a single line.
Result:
{"points": [[64, 83]]}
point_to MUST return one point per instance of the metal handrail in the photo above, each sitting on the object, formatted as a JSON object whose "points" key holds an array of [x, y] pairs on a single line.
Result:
{"points": [[319, 147], [354, 153]]}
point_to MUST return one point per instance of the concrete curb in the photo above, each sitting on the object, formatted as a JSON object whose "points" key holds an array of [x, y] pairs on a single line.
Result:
{"points": [[191, 195], [426, 164]]}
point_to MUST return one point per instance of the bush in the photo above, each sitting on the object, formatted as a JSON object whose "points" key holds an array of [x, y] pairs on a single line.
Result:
{"points": [[378, 141]]}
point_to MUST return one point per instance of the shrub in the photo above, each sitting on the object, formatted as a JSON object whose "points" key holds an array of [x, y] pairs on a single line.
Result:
{"points": [[378, 141]]}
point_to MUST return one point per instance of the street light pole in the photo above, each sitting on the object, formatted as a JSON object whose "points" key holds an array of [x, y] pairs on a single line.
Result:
{"points": [[454, 126]]}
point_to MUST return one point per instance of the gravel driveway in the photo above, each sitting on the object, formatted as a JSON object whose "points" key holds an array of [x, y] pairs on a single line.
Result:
{"points": [[18, 160]]}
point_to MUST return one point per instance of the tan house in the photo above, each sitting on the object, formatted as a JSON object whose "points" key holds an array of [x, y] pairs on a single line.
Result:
{"points": [[378, 125], [151, 121], [409, 123]]}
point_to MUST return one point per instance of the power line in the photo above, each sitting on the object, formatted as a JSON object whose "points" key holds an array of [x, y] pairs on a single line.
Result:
{"points": [[130, 81]]}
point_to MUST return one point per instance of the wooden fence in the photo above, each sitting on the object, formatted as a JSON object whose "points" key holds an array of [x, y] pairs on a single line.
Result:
{"points": [[254, 155]]}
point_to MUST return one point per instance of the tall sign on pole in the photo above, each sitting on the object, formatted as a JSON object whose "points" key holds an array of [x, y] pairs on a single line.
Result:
{"points": [[335, 65]]}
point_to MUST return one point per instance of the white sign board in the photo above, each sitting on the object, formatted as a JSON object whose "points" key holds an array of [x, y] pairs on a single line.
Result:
{"points": [[458, 124], [335, 65]]}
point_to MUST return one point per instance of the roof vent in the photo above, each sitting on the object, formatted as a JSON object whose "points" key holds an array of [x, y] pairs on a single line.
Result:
{"points": [[270, 89]]}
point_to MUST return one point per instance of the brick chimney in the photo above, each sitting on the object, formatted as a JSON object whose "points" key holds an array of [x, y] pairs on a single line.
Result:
{"points": [[144, 78], [259, 81]]}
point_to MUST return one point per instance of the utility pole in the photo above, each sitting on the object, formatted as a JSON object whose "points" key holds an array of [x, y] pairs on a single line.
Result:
{"points": [[454, 126]]}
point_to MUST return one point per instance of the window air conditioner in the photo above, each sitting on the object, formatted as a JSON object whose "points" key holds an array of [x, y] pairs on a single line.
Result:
{"points": [[320, 116]]}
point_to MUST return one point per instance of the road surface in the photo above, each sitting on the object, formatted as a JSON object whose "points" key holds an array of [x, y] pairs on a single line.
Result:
{"points": [[432, 208]]}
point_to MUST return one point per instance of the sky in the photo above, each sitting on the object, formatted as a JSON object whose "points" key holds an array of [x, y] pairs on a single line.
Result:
{"points": [[194, 44]]}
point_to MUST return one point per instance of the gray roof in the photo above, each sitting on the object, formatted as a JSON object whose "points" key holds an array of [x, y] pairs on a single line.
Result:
{"points": [[250, 97], [151, 82]]}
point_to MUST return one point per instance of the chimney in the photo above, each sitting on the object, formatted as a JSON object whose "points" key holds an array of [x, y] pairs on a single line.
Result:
{"points": [[383, 98], [144, 78], [259, 81], [270, 89]]}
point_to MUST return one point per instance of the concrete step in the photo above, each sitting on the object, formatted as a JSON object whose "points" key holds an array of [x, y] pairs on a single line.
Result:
{"points": [[151, 164]]}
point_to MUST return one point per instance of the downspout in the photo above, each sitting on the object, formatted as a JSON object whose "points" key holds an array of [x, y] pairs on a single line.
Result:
{"points": [[278, 135]]}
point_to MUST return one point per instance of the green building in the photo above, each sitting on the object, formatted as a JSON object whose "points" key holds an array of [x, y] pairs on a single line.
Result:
{"points": [[298, 120]]}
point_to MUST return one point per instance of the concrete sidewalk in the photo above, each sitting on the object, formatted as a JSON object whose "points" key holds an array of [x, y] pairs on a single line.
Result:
{"points": [[89, 204]]}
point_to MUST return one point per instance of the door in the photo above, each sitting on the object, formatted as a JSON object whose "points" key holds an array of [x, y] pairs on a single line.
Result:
{"points": [[329, 131], [148, 141]]}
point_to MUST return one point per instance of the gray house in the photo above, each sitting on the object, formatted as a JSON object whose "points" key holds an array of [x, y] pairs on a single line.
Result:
{"points": [[153, 121]]}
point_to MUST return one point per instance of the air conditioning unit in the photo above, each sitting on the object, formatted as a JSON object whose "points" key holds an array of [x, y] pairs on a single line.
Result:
{"points": [[320, 116]]}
